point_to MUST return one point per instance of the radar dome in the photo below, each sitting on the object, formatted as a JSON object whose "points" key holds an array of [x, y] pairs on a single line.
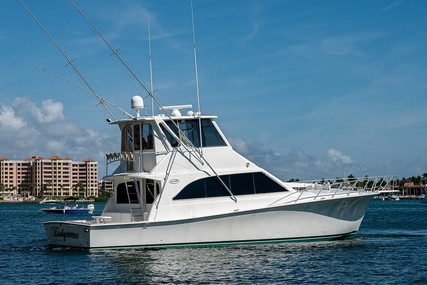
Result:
{"points": [[137, 104]]}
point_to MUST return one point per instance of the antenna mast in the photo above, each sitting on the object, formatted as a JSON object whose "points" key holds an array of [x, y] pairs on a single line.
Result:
{"points": [[197, 80], [151, 68], [195, 59]]}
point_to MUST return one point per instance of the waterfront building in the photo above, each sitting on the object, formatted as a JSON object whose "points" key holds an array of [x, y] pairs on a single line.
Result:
{"points": [[54, 176], [413, 191]]}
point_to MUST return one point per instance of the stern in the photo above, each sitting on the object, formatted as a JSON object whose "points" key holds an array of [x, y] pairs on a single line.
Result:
{"points": [[68, 234]]}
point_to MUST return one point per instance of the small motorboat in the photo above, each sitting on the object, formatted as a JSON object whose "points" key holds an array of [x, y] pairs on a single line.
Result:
{"points": [[49, 201], [70, 207]]}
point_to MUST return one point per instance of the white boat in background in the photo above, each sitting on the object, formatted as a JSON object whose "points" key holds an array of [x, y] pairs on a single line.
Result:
{"points": [[70, 207], [388, 194], [49, 201], [180, 183]]}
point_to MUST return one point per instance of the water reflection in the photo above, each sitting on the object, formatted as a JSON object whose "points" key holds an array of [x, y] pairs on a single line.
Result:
{"points": [[275, 263]]}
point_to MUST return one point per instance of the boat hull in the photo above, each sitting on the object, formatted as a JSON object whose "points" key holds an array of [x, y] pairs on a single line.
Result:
{"points": [[319, 220]]}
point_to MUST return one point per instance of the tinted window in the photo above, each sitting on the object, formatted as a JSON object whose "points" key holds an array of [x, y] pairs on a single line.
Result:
{"points": [[169, 137], [190, 129], [211, 137], [195, 189], [239, 184], [242, 184], [264, 184], [214, 187]]}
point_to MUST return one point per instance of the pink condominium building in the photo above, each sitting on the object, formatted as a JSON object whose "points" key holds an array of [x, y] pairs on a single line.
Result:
{"points": [[53, 176]]}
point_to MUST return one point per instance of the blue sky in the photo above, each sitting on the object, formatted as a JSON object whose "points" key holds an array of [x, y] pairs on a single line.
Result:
{"points": [[306, 89]]}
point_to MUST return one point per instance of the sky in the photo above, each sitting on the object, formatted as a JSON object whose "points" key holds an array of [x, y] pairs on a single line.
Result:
{"points": [[305, 89]]}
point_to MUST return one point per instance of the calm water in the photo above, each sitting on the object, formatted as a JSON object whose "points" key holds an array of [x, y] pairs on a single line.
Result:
{"points": [[391, 248]]}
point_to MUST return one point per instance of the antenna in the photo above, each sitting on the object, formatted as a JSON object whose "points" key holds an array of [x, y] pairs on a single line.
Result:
{"points": [[197, 80], [195, 59], [151, 67], [69, 61]]}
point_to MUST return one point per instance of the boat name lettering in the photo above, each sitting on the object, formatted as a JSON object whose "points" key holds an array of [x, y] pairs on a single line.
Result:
{"points": [[56, 232]]}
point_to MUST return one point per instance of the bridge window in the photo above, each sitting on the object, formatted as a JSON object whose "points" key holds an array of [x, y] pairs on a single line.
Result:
{"points": [[191, 130]]}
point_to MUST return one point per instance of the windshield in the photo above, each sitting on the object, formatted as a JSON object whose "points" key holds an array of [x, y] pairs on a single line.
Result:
{"points": [[190, 128]]}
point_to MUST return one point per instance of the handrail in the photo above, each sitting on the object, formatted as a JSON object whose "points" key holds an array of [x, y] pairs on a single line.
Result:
{"points": [[337, 187]]}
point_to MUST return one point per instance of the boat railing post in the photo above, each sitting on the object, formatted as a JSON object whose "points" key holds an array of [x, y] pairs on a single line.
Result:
{"points": [[299, 196]]}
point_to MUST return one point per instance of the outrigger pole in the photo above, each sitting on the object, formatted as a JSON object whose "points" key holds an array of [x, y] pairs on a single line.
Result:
{"points": [[79, 86], [101, 99], [114, 51]]}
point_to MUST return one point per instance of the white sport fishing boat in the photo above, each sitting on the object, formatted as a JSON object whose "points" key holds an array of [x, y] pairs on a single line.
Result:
{"points": [[180, 183]]}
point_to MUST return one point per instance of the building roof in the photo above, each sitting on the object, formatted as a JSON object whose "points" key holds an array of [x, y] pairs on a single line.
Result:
{"points": [[54, 157]]}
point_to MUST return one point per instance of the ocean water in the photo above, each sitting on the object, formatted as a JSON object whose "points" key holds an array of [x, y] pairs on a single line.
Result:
{"points": [[390, 248]]}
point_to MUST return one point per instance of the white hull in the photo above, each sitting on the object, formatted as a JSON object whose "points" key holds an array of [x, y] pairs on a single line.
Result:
{"points": [[328, 219]]}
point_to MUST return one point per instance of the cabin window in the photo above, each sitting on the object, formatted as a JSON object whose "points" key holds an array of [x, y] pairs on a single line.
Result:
{"points": [[191, 130], [263, 184], [127, 192], [147, 136], [127, 138], [239, 184], [137, 137], [173, 142]]}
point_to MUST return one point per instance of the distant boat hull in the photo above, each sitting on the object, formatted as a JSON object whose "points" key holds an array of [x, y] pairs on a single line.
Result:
{"points": [[70, 209], [49, 201], [325, 220], [66, 211]]}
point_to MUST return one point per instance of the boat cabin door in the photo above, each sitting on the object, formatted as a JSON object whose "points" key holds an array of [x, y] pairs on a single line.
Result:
{"points": [[150, 192]]}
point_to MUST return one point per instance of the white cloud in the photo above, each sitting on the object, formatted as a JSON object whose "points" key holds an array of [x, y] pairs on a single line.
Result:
{"points": [[239, 145], [45, 131], [50, 111], [294, 164], [8, 119], [390, 6], [338, 156]]}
